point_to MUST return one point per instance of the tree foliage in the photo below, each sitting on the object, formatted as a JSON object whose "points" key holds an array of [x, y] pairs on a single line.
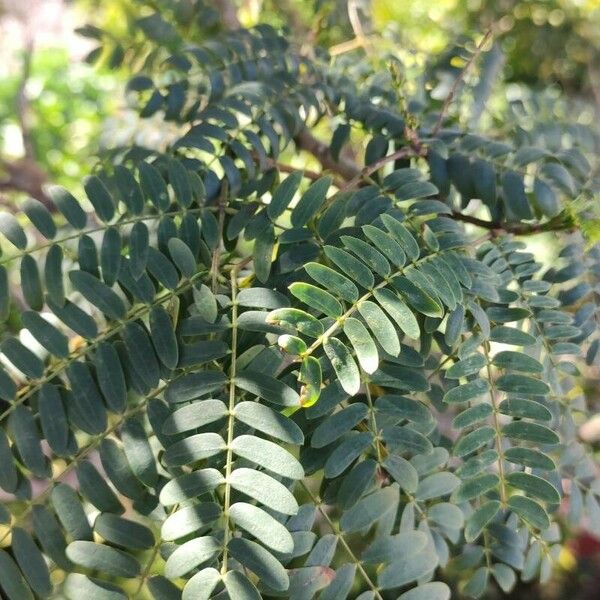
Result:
{"points": [[235, 377]]}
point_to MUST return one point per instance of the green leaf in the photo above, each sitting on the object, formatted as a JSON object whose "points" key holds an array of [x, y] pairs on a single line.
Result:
{"points": [[334, 281], [298, 319], [515, 200], [385, 548], [190, 555], [263, 298], [182, 256], [473, 441], [194, 448], [369, 509], [469, 365], [194, 415], [511, 336], [180, 182], [530, 432], [190, 519], [8, 471], [99, 197], [96, 489], [119, 470], [103, 558], [98, 294], [240, 587], [338, 424], [517, 361], [530, 511], [369, 255], [534, 485], [11, 579], [311, 377], [265, 419], [403, 236], [437, 485], [472, 415], [311, 201], [162, 269], [528, 457], [264, 489], [381, 326], [110, 376], [343, 365], [350, 266], [22, 358], [428, 591], [27, 440], [190, 485], [403, 472], [123, 532], [386, 244], [409, 567], [31, 284], [263, 253], [347, 452], [268, 388], [32, 562], [267, 454], [46, 334], [467, 391], [475, 487], [399, 311], [40, 216], [522, 408], [262, 526], [417, 298], [317, 298], [194, 385], [138, 451], [53, 419], [284, 194], [129, 190], [80, 586], [139, 240], [201, 585], [69, 207], [12, 231], [364, 346], [480, 519], [70, 512], [522, 384]]}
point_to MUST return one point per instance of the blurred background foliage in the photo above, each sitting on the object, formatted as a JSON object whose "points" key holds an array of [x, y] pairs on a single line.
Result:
{"points": [[62, 103]]}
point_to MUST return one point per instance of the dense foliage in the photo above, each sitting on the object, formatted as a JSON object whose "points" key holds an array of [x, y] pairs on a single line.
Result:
{"points": [[235, 377]]}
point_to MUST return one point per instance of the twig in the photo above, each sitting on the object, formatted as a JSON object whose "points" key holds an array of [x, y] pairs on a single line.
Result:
{"points": [[307, 141], [458, 81], [499, 227]]}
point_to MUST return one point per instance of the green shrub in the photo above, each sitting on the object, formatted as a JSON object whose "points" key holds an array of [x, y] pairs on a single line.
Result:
{"points": [[232, 377]]}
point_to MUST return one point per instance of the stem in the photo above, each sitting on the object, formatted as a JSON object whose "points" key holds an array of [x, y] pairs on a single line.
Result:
{"points": [[496, 425], [336, 530], [458, 81], [230, 418]]}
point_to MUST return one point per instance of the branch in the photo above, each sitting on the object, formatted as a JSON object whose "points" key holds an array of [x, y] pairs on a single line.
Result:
{"points": [[458, 81], [499, 227], [307, 141]]}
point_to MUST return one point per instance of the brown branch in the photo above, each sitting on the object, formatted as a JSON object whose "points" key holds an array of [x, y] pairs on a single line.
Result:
{"points": [[458, 81], [499, 227], [307, 141]]}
